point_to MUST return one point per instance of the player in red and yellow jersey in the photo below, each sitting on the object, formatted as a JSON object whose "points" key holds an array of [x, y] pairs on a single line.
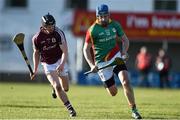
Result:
{"points": [[103, 37]]}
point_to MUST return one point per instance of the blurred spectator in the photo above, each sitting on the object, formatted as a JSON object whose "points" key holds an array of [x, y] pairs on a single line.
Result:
{"points": [[143, 64], [163, 65]]}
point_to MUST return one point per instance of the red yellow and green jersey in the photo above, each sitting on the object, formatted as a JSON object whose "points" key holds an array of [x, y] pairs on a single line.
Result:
{"points": [[104, 40]]}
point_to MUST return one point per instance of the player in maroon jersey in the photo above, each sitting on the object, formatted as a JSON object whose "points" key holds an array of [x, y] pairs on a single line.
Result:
{"points": [[50, 47]]}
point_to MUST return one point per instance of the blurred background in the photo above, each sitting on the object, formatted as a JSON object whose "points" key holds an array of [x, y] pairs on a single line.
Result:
{"points": [[154, 24]]}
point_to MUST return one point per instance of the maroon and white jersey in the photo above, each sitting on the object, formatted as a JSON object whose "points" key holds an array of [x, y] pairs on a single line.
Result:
{"points": [[48, 45]]}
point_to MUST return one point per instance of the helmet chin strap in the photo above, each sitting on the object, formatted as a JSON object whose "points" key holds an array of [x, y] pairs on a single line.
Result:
{"points": [[46, 31]]}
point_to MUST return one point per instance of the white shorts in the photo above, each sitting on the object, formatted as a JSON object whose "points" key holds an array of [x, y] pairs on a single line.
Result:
{"points": [[52, 67], [106, 73]]}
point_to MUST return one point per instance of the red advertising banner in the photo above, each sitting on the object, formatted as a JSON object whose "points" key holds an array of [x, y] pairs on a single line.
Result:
{"points": [[137, 26]]}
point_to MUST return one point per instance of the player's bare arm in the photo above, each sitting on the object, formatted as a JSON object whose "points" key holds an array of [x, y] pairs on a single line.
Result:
{"points": [[36, 58], [125, 43], [35, 62], [88, 57], [125, 46]]}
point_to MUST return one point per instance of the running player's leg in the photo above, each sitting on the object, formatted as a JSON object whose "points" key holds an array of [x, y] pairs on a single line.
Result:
{"points": [[54, 93], [54, 80], [64, 78], [128, 91], [107, 78], [122, 73], [110, 86]]}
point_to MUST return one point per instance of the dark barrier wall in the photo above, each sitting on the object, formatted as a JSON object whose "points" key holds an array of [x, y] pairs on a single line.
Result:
{"points": [[21, 77], [91, 79], [153, 79]]}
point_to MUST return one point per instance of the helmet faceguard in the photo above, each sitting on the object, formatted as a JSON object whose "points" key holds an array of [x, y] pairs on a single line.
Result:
{"points": [[48, 20], [102, 14]]}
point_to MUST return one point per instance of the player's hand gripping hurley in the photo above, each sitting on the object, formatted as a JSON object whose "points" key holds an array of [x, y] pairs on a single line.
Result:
{"points": [[117, 61], [19, 41]]}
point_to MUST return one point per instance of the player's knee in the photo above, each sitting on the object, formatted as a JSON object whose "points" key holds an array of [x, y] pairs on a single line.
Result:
{"points": [[113, 92], [123, 76], [110, 85], [66, 89], [125, 83], [58, 87], [110, 82]]}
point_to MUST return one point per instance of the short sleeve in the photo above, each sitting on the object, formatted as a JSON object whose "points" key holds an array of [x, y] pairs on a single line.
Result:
{"points": [[63, 37], [88, 37], [119, 29]]}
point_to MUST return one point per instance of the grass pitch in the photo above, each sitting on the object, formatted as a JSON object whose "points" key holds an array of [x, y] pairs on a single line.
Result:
{"points": [[34, 101]]}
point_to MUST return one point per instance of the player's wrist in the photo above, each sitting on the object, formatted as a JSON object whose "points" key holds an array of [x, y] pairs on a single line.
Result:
{"points": [[125, 56], [35, 71], [124, 52]]}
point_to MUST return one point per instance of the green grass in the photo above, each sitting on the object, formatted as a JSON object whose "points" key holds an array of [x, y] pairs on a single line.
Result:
{"points": [[34, 101]]}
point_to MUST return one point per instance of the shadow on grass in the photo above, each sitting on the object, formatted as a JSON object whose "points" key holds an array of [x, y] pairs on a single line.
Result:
{"points": [[28, 106], [155, 118]]}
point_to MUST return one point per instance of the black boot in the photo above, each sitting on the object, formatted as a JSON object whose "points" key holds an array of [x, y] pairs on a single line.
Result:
{"points": [[54, 93]]}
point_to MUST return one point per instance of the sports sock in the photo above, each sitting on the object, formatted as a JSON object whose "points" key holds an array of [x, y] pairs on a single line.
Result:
{"points": [[68, 105], [134, 109]]}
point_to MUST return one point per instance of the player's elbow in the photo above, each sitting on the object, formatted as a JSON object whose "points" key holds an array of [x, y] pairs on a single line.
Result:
{"points": [[84, 51]]}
